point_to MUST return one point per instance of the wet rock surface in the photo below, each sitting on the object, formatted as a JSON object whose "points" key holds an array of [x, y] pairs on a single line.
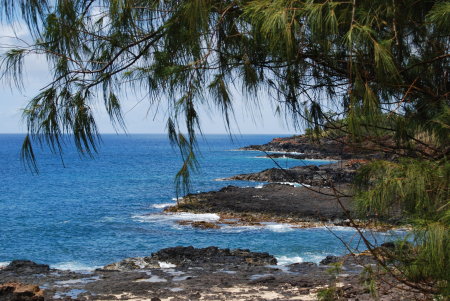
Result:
{"points": [[200, 274]]}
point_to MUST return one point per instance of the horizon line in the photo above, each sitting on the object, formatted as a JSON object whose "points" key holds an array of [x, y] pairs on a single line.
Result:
{"points": [[164, 133]]}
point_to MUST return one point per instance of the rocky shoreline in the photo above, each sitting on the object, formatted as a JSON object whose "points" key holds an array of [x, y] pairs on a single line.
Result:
{"points": [[187, 273], [302, 196], [303, 147], [282, 203], [336, 174]]}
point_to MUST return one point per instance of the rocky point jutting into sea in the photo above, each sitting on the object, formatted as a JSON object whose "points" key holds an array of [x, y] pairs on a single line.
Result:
{"points": [[302, 196]]}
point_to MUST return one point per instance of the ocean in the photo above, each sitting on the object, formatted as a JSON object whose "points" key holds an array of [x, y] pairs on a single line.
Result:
{"points": [[86, 213]]}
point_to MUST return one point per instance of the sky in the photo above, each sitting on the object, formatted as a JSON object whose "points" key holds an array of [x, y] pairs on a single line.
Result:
{"points": [[139, 116]]}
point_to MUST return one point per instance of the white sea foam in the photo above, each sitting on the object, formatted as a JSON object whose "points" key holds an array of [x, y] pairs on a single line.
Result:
{"points": [[259, 186], [286, 260], [166, 265], [279, 227], [316, 258], [274, 227], [163, 205], [239, 229], [73, 266], [321, 160], [181, 216], [339, 228], [4, 264], [291, 183], [288, 153]]}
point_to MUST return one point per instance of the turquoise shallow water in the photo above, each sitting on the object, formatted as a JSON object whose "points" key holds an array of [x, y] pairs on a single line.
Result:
{"points": [[94, 212]]}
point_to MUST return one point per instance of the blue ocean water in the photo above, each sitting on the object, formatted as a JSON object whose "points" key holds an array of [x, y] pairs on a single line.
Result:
{"points": [[91, 212]]}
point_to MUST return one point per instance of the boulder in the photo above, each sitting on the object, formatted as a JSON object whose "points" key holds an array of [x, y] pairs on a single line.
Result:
{"points": [[130, 264], [330, 259], [26, 267], [20, 292]]}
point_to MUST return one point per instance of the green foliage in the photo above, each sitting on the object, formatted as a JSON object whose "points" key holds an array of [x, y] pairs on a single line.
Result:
{"points": [[369, 281], [335, 269], [332, 292], [360, 58], [415, 189], [419, 192], [327, 294], [375, 71]]}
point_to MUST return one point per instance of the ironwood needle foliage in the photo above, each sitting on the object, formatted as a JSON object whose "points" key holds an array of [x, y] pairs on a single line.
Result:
{"points": [[373, 71]]}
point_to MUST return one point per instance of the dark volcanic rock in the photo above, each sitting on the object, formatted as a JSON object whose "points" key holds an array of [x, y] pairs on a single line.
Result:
{"points": [[330, 259], [194, 257], [275, 200], [324, 175], [338, 148], [190, 256], [26, 267], [206, 274], [304, 268], [133, 263]]}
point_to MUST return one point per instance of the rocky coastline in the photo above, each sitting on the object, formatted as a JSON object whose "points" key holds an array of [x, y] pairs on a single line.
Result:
{"points": [[187, 273], [304, 147], [302, 196]]}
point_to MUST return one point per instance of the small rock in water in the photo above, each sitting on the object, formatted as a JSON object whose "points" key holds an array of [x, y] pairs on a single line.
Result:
{"points": [[330, 259], [135, 263]]}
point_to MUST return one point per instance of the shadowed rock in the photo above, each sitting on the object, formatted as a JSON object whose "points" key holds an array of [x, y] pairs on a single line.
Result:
{"points": [[26, 267]]}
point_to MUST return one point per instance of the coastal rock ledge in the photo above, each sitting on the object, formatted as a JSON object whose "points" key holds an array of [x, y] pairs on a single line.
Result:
{"points": [[197, 257], [188, 273]]}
